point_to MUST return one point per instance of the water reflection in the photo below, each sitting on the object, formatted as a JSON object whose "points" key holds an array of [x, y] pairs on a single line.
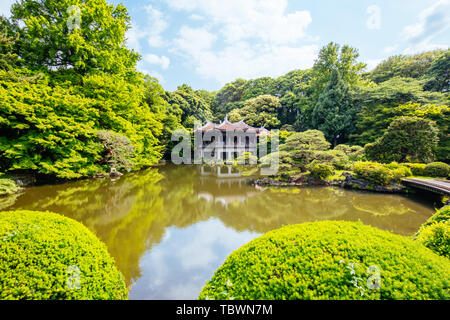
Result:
{"points": [[170, 228]]}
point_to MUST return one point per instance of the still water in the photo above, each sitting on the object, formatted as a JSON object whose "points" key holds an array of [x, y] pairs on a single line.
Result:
{"points": [[170, 228]]}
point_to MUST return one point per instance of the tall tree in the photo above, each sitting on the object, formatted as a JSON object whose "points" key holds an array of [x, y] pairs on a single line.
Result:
{"points": [[260, 111], [333, 114], [332, 57], [413, 66], [85, 35], [408, 139], [439, 73]]}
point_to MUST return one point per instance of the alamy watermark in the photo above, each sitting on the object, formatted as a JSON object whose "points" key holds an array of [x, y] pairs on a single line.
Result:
{"points": [[373, 281], [73, 281]]}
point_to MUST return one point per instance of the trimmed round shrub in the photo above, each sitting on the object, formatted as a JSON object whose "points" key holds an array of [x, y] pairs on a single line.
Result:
{"points": [[331, 260], [45, 256], [437, 170], [435, 233], [373, 172], [436, 237]]}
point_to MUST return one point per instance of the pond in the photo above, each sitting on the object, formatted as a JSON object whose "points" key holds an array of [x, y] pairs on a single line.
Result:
{"points": [[170, 228]]}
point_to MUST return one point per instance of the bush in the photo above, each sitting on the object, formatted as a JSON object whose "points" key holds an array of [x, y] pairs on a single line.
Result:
{"points": [[399, 171], [320, 170], [435, 233], [436, 237], [330, 260], [119, 150], [373, 172], [41, 254], [440, 216], [437, 170], [355, 153], [418, 169], [8, 187]]}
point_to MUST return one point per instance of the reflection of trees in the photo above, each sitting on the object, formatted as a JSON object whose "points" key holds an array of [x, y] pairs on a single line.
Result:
{"points": [[274, 208], [121, 213], [132, 214]]}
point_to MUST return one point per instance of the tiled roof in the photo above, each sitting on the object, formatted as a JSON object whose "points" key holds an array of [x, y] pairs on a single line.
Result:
{"points": [[228, 126]]}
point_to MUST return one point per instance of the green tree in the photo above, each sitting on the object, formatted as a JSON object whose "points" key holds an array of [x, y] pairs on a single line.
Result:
{"points": [[439, 73], [193, 107], [333, 114], [332, 57], [258, 112], [50, 36], [408, 139], [413, 66], [228, 98]]}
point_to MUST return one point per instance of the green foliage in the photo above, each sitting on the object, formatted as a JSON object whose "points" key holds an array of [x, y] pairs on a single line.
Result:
{"points": [[354, 153], [333, 114], [97, 44], [382, 104], [437, 170], [52, 130], [305, 147], [118, 151], [441, 215], [330, 260], [417, 169], [49, 120], [414, 66], [439, 73], [436, 237], [8, 187], [320, 170], [380, 174], [246, 158], [38, 254], [435, 233], [189, 106], [258, 112], [406, 139]]}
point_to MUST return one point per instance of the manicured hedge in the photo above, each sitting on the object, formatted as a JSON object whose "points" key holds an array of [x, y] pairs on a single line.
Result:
{"points": [[435, 233], [47, 256], [437, 170], [418, 169], [314, 261], [380, 174]]}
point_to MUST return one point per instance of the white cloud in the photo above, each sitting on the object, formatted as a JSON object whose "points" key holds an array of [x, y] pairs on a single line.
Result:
{"points": [[152, 32], [431, 22], [5, 6], [196, 17], [245, 39], [261, 19], [374, 19], [162, 61], [156, 26], [245, 61], [133, 36]]}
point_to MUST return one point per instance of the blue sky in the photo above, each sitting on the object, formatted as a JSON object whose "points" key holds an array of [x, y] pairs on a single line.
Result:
{"points": [[207, 43]]}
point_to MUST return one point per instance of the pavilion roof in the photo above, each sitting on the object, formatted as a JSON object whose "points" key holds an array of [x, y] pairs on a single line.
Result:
{"points": [[229, 126]]}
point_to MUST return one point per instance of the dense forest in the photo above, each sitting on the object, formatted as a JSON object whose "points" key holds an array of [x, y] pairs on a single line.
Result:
{"points": [[73, 104]]}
